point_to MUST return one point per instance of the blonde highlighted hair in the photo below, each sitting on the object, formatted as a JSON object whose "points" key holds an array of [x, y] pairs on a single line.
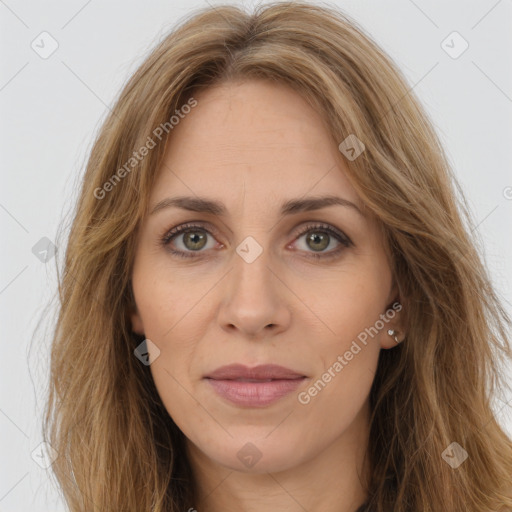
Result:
{"points": [[118, 448]]}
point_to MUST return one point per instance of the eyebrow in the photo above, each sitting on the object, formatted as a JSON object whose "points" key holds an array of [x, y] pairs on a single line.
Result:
{"points": [[204, 205]]}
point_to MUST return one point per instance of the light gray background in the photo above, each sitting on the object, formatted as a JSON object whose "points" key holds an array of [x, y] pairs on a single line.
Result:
{"points": [[51, 108]]}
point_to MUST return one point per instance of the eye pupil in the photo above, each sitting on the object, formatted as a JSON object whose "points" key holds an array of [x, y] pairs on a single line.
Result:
{"points": [[197, 239], [322, 238]]}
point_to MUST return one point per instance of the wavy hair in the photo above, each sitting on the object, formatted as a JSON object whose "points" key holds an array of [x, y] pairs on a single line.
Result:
{"points": [[118, 447]]}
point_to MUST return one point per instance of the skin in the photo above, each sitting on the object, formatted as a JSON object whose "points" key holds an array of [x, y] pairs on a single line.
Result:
{"points": [[253, 145]]}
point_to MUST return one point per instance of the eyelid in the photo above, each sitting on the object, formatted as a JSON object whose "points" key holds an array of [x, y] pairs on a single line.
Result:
{"points": [[179, 229], [331, 230]]}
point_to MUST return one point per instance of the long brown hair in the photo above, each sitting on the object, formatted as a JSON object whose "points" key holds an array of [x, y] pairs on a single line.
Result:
{"points": [[118, 448]]}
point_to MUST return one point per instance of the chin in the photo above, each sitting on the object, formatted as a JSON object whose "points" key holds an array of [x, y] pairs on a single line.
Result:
{"points": [[257, 455]]}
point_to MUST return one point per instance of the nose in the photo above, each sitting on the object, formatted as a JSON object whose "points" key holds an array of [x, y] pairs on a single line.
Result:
{"points": [[254, 299]]}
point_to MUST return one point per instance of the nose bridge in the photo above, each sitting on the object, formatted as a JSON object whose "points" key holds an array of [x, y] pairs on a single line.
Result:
{"points": [[252, 278], [252, 299]]}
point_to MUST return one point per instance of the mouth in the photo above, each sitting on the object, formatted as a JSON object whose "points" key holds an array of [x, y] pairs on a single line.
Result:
{"points": [[254, 387], [252, 380], [266, 372]]}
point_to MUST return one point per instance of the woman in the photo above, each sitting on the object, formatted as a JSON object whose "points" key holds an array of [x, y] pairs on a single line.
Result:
{"points": [[269, 288]]}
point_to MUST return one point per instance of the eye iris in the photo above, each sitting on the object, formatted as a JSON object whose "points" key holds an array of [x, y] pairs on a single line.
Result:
{"points": [[196, 238], [318, 237]]}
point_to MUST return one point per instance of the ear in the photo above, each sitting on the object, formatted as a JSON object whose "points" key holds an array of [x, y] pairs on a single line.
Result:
{"points": [[393, 332], [133, 313], [137, 324]]}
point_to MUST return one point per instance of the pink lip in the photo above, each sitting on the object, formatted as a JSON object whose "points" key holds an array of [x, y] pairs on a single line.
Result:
{"points": [[254, 387]]}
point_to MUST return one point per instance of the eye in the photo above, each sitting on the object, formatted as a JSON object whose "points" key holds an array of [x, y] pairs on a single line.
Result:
{"points": [[192, 238], [319, 237]]}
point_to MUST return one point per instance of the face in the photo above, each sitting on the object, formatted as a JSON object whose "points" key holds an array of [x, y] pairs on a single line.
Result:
{"points": [[251, 282]]}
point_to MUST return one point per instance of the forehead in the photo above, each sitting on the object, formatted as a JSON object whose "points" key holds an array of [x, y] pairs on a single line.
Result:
{"points": [[257, 137]]}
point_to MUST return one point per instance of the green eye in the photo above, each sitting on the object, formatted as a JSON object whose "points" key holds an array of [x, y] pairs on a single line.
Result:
{"points": [[319, 238]]}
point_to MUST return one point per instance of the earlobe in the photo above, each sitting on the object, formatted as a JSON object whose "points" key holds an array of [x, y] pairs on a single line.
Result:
{"points": [[392, 338], [396, 336], [394, 333]]}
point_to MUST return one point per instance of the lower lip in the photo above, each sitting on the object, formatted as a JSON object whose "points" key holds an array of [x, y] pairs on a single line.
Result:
{"points": [[254, 394]]}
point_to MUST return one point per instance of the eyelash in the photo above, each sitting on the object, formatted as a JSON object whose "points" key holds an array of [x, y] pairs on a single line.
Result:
{"points": [[343, 239]]}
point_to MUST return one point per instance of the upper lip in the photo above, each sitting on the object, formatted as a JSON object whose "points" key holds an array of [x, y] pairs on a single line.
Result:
{"points": [[261, 372]]}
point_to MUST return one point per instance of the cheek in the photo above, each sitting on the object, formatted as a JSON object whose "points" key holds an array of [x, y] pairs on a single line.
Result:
{"points": [[171, 322], [350, 301], [350, 308], [166, 294], [174, 312], [348, 356]]}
